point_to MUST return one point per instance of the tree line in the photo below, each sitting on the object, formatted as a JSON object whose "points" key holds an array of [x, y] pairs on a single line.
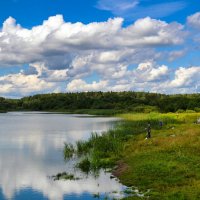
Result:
{"points": [[120, 101]]}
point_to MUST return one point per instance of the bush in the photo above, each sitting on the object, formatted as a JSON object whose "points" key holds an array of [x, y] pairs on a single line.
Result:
{"points": [[145, 109], [180, 111], [190, 111], [197, 109]]}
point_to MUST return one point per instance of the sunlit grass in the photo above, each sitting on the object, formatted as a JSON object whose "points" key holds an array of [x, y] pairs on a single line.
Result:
{"points": [[168, 117], [168, 164]]}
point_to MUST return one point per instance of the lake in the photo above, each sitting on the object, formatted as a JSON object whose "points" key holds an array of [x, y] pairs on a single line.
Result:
{"points": [[31, 152]]}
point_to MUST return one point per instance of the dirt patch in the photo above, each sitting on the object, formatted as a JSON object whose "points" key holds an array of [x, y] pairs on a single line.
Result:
{"points": [[120, 169]]}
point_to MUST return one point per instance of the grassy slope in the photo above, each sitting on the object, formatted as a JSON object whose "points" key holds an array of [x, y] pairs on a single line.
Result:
{"points": [[169, 163]]}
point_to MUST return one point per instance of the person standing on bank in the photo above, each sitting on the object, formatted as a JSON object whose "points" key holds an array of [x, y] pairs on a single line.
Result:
{"points": [[148, 131]]}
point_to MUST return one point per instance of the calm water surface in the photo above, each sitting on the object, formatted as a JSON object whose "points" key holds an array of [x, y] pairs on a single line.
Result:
{"points": [[31, 146]]}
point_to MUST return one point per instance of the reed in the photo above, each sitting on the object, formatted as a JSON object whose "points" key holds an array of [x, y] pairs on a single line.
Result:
{"points": [[68, 151]]}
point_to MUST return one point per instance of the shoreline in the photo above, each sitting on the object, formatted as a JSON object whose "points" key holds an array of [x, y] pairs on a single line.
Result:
{"points": [[160, 167]]}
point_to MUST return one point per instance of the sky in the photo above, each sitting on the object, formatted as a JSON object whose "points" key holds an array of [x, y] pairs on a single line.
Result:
{"points": [[52, 46]]}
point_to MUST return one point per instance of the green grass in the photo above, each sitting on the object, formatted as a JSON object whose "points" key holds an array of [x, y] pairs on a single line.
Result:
{"points": [[103, 151], [100, 151], [84, 165], [68, 151], [168, 164]]}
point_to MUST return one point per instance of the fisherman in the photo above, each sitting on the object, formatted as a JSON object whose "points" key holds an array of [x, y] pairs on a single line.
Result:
{"points": [[161, 123], [148, 131]]}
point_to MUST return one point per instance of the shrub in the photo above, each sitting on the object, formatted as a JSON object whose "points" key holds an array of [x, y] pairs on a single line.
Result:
{"points": [[190, 111]]}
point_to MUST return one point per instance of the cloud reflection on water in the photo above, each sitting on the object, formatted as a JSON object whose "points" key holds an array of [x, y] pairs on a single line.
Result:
{"points": [[31, 150]]}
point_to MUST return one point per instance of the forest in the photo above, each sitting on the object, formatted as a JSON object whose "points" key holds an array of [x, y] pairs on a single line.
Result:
{"points": [[118, 102]]}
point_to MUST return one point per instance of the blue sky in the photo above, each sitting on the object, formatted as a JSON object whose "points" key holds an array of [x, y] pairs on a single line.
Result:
{"points": [[63, 46], [33, 12]]}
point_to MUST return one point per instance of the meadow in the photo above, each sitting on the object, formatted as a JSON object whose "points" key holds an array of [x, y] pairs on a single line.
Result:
{"points": [[167, 166]]}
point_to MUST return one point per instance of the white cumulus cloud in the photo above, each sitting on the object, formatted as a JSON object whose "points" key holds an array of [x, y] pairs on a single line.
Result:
{"points": [[20, 84], [56, 42], [194, 20], [62, 55], [80, 85]]}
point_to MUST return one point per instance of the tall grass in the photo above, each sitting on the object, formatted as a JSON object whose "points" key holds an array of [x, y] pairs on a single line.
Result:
{"points": [[127, 139], [68, 151], [102, 151]]}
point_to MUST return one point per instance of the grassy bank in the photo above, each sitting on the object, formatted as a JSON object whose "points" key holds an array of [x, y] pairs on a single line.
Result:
{"points": [[167, 165]]}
